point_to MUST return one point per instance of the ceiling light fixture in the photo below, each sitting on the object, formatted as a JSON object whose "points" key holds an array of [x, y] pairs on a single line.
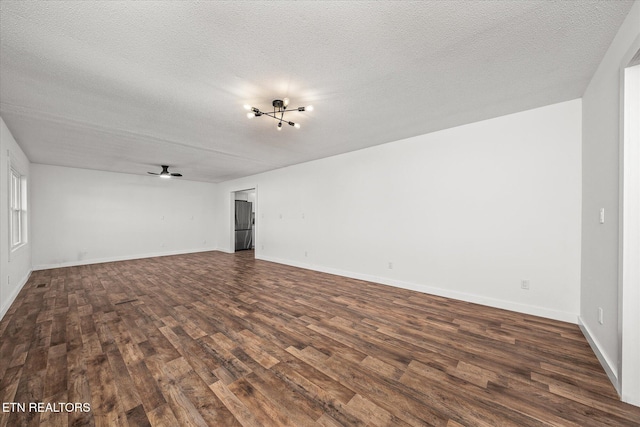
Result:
{"points": [[165, 172], [279, 109]]}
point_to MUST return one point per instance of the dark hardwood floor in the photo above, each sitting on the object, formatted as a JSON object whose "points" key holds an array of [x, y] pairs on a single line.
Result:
{"points": [[222, 340]]}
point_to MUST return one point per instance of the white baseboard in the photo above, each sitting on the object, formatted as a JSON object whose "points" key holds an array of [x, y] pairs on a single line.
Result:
{"points": [[7, 303], [119, 258], [607, 364], [433, 290]]}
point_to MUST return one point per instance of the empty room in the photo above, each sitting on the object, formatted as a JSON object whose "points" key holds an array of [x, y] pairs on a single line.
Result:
{"points": [[320, 213]]}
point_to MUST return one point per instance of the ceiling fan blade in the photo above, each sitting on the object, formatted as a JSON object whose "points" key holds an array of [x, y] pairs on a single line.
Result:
{"points": [[176, 174]]}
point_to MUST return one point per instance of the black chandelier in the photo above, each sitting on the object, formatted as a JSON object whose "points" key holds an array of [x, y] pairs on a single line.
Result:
{"points": [[279, 109]]}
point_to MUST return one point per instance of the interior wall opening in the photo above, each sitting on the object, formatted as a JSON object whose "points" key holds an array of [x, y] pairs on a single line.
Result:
{"points": [[629, 295], [243, 216]]}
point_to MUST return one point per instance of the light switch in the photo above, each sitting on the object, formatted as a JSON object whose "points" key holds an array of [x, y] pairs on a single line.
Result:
{"points": [[601, 215]]}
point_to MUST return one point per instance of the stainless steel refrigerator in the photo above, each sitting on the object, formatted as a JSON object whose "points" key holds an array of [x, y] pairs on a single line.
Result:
{"points": [[243, 225]]}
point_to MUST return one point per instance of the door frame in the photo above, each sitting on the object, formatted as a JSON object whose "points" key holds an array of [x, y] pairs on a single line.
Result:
{"points": [[232, 217], [629, 230]]}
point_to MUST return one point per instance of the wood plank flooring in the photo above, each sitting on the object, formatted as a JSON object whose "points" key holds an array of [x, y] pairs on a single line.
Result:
{"points": [[214, 339]]}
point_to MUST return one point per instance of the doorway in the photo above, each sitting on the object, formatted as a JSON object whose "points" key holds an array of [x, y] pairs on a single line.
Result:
{"points": [[243, 223], [629, 293]]}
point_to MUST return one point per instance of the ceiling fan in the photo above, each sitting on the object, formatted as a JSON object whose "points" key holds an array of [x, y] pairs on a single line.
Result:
{"points": [[165, 172]]}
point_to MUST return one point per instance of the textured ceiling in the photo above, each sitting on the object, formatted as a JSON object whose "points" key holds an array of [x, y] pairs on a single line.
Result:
{"points": [[127, 86]]}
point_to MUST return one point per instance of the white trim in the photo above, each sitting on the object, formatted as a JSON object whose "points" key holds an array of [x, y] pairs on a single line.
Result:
{"points": [[7, 303], [121, 258], [629, 232], [607, 364], [434, 290]]}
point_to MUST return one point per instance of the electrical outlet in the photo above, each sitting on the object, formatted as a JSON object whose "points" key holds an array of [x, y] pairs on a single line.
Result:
{"points": [[600, 316], [525, 284], [601, 215], [305, 253], [390, 265]]}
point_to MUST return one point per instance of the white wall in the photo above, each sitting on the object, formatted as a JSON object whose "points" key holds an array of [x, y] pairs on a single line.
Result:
{"points": [[600, 189], [466, 212], [84, 216], [15, 267]]}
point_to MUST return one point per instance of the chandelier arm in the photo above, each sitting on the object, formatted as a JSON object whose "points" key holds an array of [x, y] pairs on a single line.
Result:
{"points": [[273, 116]]}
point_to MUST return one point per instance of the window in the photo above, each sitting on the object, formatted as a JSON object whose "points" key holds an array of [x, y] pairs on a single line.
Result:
{"points": [[17, 209]]}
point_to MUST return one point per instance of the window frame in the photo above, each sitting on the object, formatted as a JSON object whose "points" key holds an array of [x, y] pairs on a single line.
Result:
{"points": [[17, 209]]}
